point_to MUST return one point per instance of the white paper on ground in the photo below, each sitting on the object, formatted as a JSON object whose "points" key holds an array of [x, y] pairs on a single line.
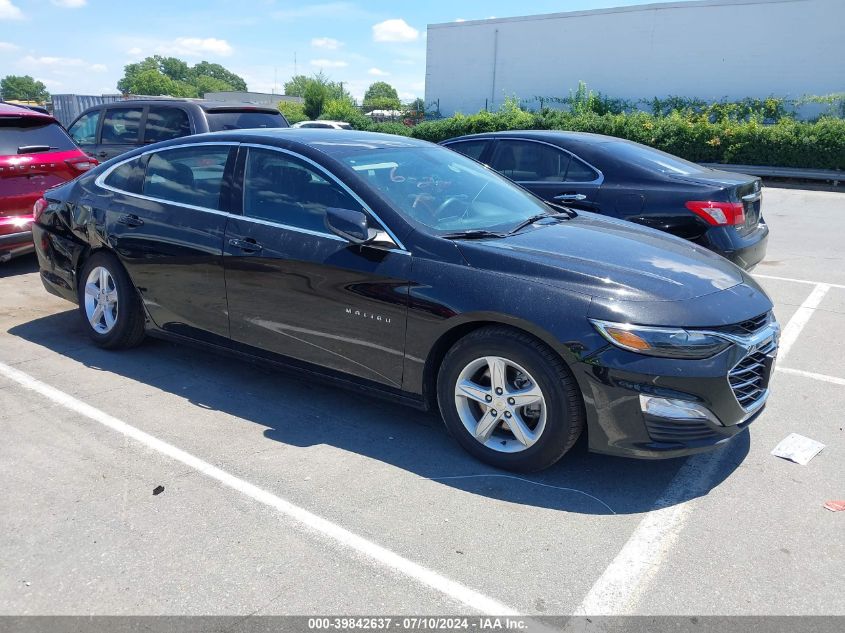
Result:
{"points": [[797, 448]]}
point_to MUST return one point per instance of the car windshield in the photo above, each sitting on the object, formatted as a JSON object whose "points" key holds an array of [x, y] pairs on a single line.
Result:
{"points": [[652, 159], [444, 190], [219, 120], [21, 136]]}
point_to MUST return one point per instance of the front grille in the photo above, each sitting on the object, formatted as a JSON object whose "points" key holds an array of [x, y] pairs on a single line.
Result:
{"points": [[749, 326], [749, 378], [678, 431]]}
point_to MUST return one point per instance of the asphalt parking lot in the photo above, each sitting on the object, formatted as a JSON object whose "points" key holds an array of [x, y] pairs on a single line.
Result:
{"points": [[285, 497]]}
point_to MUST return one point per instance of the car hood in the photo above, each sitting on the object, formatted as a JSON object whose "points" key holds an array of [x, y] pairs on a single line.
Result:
{"points": [[608, 259]]}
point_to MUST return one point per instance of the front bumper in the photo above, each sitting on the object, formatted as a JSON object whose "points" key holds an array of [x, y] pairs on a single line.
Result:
{"points": [[698, 401]]}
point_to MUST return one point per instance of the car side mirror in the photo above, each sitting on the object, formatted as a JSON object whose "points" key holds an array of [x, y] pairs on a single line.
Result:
{"points": [[350, 225]]}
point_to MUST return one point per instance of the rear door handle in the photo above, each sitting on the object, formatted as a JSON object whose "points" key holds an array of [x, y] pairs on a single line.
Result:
{"points": [[130, 220], [249, 244], [102, 154], [571, 197]]}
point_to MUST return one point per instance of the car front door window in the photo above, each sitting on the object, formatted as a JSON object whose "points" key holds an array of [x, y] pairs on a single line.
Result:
{"points": [[84, 129], [282, 189]]}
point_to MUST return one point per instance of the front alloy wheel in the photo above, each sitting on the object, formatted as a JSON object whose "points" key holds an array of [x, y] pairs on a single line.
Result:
{"points": [[509, 399], [500, 404]]}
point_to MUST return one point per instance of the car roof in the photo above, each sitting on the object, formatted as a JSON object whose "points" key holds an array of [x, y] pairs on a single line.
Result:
{"points": [[8, 110], [543, 135], [328, 140]]}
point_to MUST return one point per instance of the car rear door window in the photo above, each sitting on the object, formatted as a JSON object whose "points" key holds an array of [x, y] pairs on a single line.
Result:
{"points": [[472, 149], [129, 176], [165, 123], [187, 175], [530, 161], [283, 189], [121, 126], [84, 129], [579, 171]]}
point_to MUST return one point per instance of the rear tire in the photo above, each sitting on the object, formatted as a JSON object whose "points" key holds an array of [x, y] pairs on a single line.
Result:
{"points": [[509, 400], [109, 303]]}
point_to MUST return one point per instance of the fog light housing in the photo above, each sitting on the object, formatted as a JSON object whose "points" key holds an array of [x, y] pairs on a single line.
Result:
{"points": [[675, 409]]}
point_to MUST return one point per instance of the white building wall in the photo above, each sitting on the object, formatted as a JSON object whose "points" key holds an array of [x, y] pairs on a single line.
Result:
{"points": [[708, 49]]}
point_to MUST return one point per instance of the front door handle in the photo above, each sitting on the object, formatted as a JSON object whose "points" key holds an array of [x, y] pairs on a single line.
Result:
{"points": [[249, 245], [130, 220], [571, 197]]}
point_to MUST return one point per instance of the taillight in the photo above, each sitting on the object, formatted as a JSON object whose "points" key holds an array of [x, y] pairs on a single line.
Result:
{"points": [[38, 208], [718, 213], [82, 164]]}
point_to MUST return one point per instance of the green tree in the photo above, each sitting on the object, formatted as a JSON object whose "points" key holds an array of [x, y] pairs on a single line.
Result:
{"points": [[315, 96], [23, 88], [296, 85], [293, 112], [216, 71], [159, 75], [382, 96], [345, 110]]}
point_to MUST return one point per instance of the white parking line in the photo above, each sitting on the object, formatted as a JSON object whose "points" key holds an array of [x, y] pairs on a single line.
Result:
{"points": [[622, 582], [809, 374], [799, 320], [800, 281], [336, 533], [616, 591]]}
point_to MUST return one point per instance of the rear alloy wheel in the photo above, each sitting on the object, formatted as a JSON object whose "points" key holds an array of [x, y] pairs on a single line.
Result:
{"points": [[509, 400], [109, 303]]}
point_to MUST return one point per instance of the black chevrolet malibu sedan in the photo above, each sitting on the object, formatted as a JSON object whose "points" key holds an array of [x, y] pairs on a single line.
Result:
{"points": [[717, 209], [405, 269]]}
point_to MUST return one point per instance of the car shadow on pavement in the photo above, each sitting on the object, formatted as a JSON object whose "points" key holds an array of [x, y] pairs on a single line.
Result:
{"points": [[19, 266], [303, 413]]}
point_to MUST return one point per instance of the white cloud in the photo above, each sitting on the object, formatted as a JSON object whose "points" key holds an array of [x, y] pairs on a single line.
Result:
{"points": [[134, 51], [329, 63], [377, 72], [396, 30], [198, 46], [327, 43], [70, 4], [8, 46], [460, 20], [54, 62], [9, 11], [99, 68]]}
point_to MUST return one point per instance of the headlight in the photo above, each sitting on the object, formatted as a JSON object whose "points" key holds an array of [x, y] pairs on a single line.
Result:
{"points": [[658, 341]]}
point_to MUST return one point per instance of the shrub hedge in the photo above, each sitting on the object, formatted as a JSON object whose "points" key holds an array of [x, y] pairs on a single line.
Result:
{"points": [[787, 143]]}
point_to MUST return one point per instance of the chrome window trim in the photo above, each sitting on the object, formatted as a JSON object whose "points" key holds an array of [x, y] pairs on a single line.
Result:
{"points": [[344, 186], [100, 182], [597, 181]]}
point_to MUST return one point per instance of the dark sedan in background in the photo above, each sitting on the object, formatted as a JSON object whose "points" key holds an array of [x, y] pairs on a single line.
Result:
{"points": [[402, 268], [717, 209]]}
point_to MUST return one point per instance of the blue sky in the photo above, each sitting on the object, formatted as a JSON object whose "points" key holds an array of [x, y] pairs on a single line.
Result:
{"points": [[81, 46]]}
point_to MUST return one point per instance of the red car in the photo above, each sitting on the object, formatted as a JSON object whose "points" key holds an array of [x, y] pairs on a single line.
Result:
{"points": [[35, 154]]}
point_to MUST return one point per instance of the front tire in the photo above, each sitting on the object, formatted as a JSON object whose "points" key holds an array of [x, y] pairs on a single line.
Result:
{"points": [[109, 304], [509, 400]]}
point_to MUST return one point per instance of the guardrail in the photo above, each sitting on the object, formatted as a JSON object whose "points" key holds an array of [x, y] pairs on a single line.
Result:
{"points": [[833, 175]]}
